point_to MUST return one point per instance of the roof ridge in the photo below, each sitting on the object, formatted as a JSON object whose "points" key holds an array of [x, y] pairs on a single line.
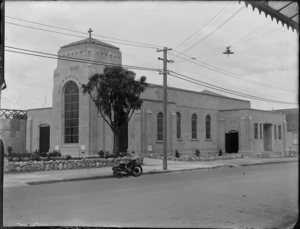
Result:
{"points": [[90, 41]]}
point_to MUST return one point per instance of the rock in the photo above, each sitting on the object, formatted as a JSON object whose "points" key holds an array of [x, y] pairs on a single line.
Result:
{"points": [[60, 166], [12, 168], [18, 169]]}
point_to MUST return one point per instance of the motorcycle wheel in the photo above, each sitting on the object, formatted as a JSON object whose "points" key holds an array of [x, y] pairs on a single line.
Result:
{"points": [[117, 174], [137, 171]]}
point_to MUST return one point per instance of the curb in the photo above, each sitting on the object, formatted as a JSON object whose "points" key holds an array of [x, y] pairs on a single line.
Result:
{"points": [[270, 162], [148, 173], [112, 176], [69, 180]]}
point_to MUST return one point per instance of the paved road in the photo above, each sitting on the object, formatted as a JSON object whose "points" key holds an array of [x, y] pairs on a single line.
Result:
{"points": [[252, 196]]}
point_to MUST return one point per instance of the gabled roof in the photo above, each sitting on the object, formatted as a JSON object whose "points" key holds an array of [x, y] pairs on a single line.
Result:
{"points": [[90, 41], [286, 12]]}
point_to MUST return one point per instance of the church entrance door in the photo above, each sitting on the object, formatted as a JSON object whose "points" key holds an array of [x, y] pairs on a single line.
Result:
{"points": [[44, 138], [232, 142], [123, 138]]}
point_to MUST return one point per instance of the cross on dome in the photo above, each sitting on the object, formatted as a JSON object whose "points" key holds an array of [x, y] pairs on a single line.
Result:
{"points": [[90, 33]]}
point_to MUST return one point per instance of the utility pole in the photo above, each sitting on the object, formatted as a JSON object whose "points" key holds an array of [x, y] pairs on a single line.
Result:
{"points": [[165, 110], [2, 81]]}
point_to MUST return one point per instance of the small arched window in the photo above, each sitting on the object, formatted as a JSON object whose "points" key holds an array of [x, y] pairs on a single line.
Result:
{"points": [[194, 126], [160, 126], [178, 121], [71, 97], [208, 127]]}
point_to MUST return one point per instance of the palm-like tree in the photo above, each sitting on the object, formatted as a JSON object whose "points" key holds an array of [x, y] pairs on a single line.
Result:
{"points": [[116, 94]]}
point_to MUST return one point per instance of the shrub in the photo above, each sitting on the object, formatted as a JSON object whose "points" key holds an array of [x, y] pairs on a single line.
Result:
{"points": [[197, 153], [106, 155], [20, 156], [9, 150], [68, 157], [220, 152], [35, 157], [55, 153], [123, 154], [177, 154], [101, 154]]}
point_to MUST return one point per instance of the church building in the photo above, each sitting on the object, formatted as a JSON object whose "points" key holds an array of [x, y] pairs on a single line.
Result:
{"points": [[197, 120]]}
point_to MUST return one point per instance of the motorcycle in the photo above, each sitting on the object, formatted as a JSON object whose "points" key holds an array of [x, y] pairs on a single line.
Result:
{"points": [[131, 168]]}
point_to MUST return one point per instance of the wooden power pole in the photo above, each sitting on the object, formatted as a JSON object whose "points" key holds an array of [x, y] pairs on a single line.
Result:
{"points": [[165, 110]]}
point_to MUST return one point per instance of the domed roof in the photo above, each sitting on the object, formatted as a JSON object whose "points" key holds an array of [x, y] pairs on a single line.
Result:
{"points": [[90, 41]]}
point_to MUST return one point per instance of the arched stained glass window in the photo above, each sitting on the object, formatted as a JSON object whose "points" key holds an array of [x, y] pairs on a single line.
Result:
{"points": [[178, 121], [194, 126], [71, 112], [160, 126], [208, 127]]}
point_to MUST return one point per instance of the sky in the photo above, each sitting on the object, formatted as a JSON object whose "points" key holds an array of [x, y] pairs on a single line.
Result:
{"points": [[264, 63]]}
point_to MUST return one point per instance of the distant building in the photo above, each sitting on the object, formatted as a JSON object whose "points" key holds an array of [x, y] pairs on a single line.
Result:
{"points": [[203, 121], [292, 119], [13, 129]]}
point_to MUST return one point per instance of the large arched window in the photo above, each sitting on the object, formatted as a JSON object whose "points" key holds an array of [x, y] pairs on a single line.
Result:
{"points": [[71, 112], [178, 121], [194, 126], [208, 127], [160, 126]]}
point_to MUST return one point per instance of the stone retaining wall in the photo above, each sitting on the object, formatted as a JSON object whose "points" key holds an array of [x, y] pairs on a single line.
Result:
{"points": [[189, 158], [84, 163]]}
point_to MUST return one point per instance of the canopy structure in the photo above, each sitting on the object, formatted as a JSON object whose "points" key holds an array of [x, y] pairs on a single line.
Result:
{"points": [[286, 12]]}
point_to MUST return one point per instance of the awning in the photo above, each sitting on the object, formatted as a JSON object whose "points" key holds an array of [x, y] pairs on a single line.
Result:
{"points": [[286, 12]]}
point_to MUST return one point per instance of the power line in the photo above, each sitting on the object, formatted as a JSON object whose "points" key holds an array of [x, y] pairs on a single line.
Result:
{"points": [[239, 42], [147, 69], [46, 30], [216, 29], [258, 37], [202, 26], [73, 59], [195, 81], [216, 69], [19, 19], [252, 32]]}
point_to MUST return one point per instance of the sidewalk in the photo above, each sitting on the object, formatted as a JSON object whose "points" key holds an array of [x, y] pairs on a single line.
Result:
{"points": [[151, 166]]}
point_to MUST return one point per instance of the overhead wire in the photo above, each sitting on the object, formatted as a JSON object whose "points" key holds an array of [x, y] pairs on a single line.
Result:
{"points": [[244, 43], [219, 70], [240, 41], [212, 32], [75, 31], [46, 30], [211, 86], [70, 59], [250, 33], [202, 26], [73, 59]]}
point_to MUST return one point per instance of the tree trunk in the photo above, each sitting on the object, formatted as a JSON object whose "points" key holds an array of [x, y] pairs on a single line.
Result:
{"points": [[116, 148]]}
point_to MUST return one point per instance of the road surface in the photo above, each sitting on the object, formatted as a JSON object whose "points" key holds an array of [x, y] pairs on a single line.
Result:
{"points": [[251, 196]]}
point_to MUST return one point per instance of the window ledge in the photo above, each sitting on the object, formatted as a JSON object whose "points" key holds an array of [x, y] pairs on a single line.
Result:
{"points": [[159, 142], [70, 144], [179, 139], [208, 140], [195, 139]]}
